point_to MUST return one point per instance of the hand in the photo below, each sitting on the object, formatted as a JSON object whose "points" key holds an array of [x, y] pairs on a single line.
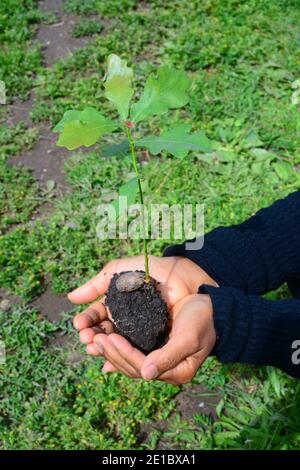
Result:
{"points": [[178, 278], [191, 340]]}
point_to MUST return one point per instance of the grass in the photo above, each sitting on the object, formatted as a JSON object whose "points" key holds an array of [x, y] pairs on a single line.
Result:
{"points": [[18, 195], [243, 57], [19, 192], [20, 57], [56, 403], [86, 28]]}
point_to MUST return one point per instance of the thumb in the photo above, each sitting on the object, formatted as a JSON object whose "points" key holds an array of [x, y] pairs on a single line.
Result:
{"points": [[168, 357], [94, 288]]}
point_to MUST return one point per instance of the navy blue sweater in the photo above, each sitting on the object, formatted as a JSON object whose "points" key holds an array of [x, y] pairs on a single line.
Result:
{"points": [[248, 260]]}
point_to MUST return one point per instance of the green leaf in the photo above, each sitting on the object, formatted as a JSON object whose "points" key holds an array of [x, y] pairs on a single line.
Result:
{"points": [[50, 185], [69, 116], [116, 150], [220, 407], [262, 154], [166, 91], [118, 84], [176, 141], [82, 128], [275, 382], [129, 190], [252, 140], [226, 437], [224, 156], [283, 169]]}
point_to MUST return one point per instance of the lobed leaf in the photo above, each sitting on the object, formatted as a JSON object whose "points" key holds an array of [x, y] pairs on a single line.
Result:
{"points": [[166, 91], [118, 84], [85, 127], [176, 141]]}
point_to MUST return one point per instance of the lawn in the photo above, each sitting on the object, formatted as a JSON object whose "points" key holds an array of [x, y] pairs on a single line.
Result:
{"points": [[243, 57]]}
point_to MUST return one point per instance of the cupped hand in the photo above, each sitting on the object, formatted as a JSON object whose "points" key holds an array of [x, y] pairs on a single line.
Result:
{"points": [[178, 278]]}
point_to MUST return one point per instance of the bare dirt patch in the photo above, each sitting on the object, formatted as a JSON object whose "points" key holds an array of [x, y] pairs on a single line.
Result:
{"points": [[57, 40], [19, 111], [52, 306], [7, 300], [45, 159], [197, 400], [193, 400], [62, 340]]}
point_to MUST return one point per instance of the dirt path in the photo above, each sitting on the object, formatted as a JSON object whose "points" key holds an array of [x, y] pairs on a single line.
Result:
{"points": [[57, 38], [45, 159]]}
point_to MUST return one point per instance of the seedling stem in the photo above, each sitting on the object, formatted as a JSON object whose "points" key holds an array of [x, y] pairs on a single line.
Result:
{"points": [[136, 169]]}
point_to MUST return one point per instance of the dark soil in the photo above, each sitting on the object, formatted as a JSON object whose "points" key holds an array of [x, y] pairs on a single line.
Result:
{"points": [[141, 316]]}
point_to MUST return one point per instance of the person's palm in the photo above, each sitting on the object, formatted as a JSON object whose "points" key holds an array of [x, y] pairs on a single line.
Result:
{"points": [[177, 279]]}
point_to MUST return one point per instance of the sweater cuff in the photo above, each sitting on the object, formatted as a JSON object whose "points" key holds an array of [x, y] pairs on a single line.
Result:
{"points": [[254, 330], [232, 321]]}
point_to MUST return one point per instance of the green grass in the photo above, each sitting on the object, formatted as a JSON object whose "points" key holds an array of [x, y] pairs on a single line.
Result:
{"points": [[109, 8], [58, 404], [243, 57], [15, 139], [19, 195], [86, 27], [20, 57], [19, 192]]}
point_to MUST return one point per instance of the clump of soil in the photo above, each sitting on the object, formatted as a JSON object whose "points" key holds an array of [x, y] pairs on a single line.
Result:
{"points": [[138, 310]]}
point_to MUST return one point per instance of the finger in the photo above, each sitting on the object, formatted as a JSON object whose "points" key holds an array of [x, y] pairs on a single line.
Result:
{"points": [[93, 288], [107, 326], [185, 371], [168, 357], [92, 350], [110, 352], [132, 355], [91, 316], [87, 335], [108, 367], [186, 338]]}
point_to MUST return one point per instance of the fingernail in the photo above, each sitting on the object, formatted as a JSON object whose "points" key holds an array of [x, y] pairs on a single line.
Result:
{"points": [[105, 369], [150, 372], [73, 291], [99, 347]]}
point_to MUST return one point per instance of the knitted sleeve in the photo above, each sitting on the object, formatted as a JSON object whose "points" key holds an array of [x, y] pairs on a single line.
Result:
{"points": [[257, 255]]}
